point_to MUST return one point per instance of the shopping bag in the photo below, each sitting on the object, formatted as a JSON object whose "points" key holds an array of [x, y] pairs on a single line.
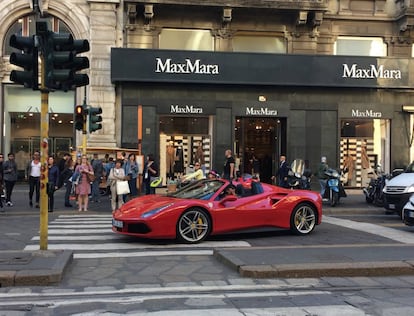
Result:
{"points": [[122, 187]]}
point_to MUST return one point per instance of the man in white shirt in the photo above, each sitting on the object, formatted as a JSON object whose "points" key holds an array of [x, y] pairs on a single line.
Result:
{"points": [[33, 175]]}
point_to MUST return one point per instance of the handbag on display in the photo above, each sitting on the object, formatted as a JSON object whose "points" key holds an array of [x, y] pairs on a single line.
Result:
{"points": [[122, 187]]}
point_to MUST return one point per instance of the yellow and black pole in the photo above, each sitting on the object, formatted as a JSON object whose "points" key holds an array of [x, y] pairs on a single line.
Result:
{"points": [[44, 151]]}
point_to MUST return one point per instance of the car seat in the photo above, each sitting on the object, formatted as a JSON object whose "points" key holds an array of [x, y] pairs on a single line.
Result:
{"points": [[256, 188]]}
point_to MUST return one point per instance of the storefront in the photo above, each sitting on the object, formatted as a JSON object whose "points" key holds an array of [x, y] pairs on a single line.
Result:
{"points": [[21, 123], [263, 105]]}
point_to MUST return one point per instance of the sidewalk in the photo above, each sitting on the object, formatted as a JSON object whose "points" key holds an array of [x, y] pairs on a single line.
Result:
{"points": [[19, 268]]}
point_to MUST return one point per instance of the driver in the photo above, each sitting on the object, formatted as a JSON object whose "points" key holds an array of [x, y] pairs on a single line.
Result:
{"points": [[230, 190]]}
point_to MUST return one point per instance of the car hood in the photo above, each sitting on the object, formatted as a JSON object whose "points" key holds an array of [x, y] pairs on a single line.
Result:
{"points": [[147, 203], [402, 180]]}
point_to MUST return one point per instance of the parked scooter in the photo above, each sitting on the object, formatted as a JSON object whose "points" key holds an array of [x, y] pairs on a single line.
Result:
{"points": [[296, 176], [373, 192], [334, 189]]}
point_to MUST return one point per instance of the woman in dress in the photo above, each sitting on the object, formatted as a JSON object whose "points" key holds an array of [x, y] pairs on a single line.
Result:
{"points": [[83, 189], [53, 180], [116, 173]]}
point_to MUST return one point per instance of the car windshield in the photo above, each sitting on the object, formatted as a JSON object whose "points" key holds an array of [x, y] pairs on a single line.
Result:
{"points": [[410, 168], [200, 190]]}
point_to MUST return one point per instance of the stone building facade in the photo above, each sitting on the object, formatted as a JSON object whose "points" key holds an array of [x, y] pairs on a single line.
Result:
{"points": [[262, 78]]}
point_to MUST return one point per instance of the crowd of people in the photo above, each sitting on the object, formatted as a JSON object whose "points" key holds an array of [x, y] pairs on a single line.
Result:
{"points": [[85, 181]]}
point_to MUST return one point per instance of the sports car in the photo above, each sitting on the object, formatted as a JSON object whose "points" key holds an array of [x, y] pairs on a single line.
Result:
{"points": [[205, 208]]}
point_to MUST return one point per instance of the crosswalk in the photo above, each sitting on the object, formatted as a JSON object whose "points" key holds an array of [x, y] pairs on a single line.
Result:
{"points": [[91, 236]]}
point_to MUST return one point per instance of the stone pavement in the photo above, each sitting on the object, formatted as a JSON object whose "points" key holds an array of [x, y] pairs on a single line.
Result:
{"points": [[18, 267]]}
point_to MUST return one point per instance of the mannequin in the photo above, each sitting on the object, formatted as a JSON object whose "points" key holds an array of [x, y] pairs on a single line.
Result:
{"points": [[170, 156], [179, 159]]}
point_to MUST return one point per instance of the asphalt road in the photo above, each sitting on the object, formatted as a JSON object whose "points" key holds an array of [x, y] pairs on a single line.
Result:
{"points": [[117, 275]]}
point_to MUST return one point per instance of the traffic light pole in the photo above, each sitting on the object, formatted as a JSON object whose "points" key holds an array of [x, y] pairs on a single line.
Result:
{"points": [[44, 147]]}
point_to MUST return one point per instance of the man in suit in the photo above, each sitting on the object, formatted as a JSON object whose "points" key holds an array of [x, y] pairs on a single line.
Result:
{"points": [[282, 172]]}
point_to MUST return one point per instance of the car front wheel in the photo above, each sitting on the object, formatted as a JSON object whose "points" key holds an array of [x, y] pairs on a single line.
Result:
{"points": [[193, 226], [303, 219]]}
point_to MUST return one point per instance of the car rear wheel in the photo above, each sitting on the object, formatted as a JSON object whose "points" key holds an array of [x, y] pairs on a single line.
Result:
{"points": [[193, 226], [303, 219]]}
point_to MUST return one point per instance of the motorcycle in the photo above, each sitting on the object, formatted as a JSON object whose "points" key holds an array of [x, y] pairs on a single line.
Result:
{"points": [[374, 191], [334, 189], [297, 178]]}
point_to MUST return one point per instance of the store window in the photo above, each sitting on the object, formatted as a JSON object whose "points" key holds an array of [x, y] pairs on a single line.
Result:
{"points": [[259, 44], [360, 46], [184, 39], [184, 141], [364, 147]]}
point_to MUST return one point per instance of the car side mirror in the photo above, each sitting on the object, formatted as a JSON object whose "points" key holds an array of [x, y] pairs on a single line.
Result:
{"points": [[228, 198]]}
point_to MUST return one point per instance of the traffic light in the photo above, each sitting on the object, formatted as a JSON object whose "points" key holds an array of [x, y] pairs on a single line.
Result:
{"points": [[27, 58], [61, 62], [79, 118], [94, 119]]}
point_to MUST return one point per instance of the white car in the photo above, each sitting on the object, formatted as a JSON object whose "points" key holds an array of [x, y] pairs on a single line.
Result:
{"points": [[398, 190], [408, 212]]}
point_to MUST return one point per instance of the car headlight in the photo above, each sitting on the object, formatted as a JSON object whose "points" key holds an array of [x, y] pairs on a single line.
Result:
{"points": [[155, 211], [410, 189]]}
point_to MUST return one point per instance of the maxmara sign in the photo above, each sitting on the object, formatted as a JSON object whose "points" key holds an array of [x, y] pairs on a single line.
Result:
{"points": [[262, 111], [356, 72], [187, 67], [229, 68], [365, 113], [186, 109]]}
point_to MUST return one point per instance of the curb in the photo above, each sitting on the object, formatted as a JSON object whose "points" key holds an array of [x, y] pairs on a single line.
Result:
{"points": [[26, 268], [344, 261]]}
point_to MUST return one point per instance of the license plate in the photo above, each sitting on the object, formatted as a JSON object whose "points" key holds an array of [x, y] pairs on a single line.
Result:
{"points": [[391, 206], [118, 224]]}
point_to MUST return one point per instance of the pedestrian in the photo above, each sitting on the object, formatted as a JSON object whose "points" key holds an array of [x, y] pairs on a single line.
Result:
{"points": [[150, 172], [212, 175], [1, 183], [283, 172], [83, 189], [108, 166], [117, 173], [97, 166], [61, 166], [229, 163], [197, 174], [66, 175], [131, 169], [323, 167], [255, 163], [53, 180], [10, 177], [33, 177]]}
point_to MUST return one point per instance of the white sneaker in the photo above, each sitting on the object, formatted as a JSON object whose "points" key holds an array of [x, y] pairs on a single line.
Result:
{"points": [[9, 203]]}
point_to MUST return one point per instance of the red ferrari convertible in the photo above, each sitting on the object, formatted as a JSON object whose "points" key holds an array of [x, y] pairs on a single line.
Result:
{"points": [[208, 207]]}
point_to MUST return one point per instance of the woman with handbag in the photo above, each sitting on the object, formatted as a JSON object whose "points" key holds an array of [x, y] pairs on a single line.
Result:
{"points": [[150, 173], [117, 174], [53, 180], [83, 189]]}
